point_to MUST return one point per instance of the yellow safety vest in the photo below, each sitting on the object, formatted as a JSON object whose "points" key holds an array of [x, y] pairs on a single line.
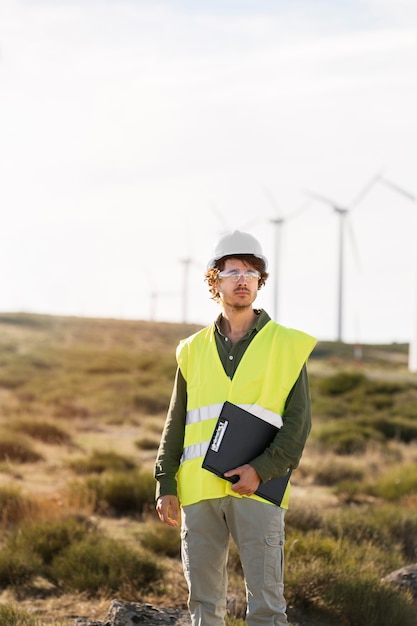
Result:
{"points": [[265, 376]]}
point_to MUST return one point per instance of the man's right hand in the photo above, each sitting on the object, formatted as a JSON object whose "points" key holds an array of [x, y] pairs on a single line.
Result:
{"points": [[168, 510]]}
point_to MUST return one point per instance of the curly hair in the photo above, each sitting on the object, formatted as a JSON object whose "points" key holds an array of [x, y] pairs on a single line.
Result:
{"points": [[211, 275]]}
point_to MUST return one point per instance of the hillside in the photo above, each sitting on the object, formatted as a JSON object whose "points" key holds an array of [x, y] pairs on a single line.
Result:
{"points": [[82, 405]]}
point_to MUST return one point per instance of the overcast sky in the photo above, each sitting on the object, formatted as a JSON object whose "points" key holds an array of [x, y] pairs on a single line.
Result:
{"points": [[133, 133]]}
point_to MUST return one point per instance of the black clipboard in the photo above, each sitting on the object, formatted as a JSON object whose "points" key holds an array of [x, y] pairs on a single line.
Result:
{"points": [[239, 437]]}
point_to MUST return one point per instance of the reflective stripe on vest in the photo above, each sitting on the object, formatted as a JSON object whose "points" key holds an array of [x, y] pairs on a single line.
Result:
{"points": [[194, 416]]}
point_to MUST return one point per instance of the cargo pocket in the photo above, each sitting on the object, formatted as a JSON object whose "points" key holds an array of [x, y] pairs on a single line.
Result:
{"points": [[274, 560]]}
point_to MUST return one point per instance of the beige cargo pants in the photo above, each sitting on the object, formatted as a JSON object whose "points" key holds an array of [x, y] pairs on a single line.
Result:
{"points": [[258, 531]]}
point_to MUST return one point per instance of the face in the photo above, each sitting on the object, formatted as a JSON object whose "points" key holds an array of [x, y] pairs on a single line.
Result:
{"points": [[238, 294]]}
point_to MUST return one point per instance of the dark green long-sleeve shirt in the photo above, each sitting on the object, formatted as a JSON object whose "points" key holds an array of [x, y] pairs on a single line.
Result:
{"points": [[284, 452]]}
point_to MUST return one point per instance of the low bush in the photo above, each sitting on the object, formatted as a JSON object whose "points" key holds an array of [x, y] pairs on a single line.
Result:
{"points": [[330, 472], [152, 399], [102, 461], [303, 518], [364, 599], [340, 580], [396, 483], [17, 449], [393, 486], [44, 431], [130, 493], [74, 555], [162, 540], [379, 526], [341, 382], [345, 437], [29, 550], [97, 564], [399, 428], [18, 567], [48, 538], [147, 443]]}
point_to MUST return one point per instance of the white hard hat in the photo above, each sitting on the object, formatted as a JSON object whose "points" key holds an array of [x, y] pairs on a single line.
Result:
{"points": [[237, 243]]}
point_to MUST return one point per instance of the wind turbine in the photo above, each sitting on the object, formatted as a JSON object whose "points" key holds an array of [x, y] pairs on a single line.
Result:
{"points": [[278, 221], [187, 262], [343, 213], [412, 352], [155, 294]]}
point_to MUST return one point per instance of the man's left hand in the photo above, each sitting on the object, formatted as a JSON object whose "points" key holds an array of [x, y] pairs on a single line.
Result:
{"points": [[249, 479]]}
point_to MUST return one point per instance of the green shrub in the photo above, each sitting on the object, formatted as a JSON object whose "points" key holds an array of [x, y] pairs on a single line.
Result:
{"points": [[48, 538], [399, 428], [304, 518], [343, 437], [162, 540], [384, 387], [72, 553], [18, 566], [396, 483], [326, 575], [130, 493], [152, 399], [44, 431], [17, 449], [379, 526], [361, 525], [101, 461], [363, 599], [314, 545], [99, 564], [305, 581], [147, 444], [334, 471], [341, 382], [30, 550]]}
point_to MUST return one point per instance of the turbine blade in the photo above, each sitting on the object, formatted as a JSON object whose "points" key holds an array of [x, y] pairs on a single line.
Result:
{"points": [[364, 191], [271, 199], [283, 218], [400, 190], [326, 200]]}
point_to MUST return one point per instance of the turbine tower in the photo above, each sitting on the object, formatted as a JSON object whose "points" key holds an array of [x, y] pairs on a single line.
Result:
{"points": [[343, 213], [278, 221], [412, 351], [186, 262]]}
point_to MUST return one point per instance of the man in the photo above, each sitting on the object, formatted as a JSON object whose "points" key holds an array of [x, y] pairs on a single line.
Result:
{"points": [[247, 359]]}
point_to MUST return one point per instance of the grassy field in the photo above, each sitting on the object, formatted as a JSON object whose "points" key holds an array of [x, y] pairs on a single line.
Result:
{"points": [[82, 405]]}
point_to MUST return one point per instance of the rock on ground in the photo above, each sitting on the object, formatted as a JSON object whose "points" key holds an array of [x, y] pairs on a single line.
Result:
{"points": [[406, 578], [138, 614]]}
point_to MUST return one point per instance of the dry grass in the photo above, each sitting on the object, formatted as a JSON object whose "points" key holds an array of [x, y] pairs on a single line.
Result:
{"points": [[86, 378]]}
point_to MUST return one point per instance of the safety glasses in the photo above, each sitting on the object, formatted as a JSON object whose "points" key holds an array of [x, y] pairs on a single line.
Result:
{"points": [[235, 275]]}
